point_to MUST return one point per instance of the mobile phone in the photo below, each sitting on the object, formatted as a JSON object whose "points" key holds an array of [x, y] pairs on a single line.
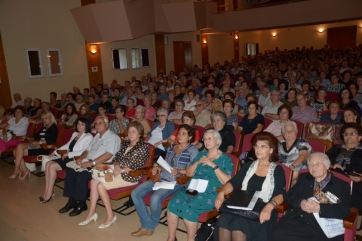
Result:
{"points": [[191, 192], [352, 174]]}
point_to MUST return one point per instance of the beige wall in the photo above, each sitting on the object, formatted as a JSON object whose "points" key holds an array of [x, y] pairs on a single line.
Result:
{"points": [[146, 42], [196, 48], [42, 24], [221, 48]]}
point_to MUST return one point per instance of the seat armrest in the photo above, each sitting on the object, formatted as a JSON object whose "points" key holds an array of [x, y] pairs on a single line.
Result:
{"points": [[19, 137], [139, 172], [350, 222], [47, 146], [166, 144], [226, 195], [62, 152], [182, 180], [236, 153], [282, 208]]}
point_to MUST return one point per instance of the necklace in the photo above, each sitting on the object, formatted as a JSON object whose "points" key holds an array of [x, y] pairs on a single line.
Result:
{"points": [[182, 148]]}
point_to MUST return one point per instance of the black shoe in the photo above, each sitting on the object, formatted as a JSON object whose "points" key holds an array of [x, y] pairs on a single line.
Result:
{"points": [[78, 209], [68, 206]]}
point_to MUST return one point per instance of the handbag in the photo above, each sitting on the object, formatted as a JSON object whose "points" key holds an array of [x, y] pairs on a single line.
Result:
{"points": [[8, 133], [103, 173], [154, 178], [249, 214], [325, 132], [44, 159]]}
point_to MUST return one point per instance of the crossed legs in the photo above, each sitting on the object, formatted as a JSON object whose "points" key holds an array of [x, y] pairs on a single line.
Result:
{"points": [[51, 169], [20, 151]]}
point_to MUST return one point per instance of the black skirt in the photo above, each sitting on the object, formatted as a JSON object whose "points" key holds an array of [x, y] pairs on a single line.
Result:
{"points": [[63, 163]]}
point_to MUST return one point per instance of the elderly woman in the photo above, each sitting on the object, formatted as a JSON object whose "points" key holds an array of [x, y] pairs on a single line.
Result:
{"points": [[209, 100], [285, 113], [190, 101], [333, 117], [346, 100], [306, 90], [154, 103], [320, 104], [212, 165], [291, 99], [253, 122], [162, 95], [283, 88], [300, 224], [349, 116], [28, 106], [132, 156], [218, 120], [177, 114], [47, 135], [189, 119], [335, 86], [232, 121], [119, 125], [150, 110], [76, 145], [293, 152], [35, 113], [130, 109], [161, 130], [140, 118], [17, 126], [262, 175], [179, 156], [244, 110], [347, 159], [70, 115]]}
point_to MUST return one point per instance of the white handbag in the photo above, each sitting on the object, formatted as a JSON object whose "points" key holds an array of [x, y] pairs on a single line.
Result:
{"points": [[44, 159]]}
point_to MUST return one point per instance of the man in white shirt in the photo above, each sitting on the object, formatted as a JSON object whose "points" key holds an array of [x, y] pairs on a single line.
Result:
{"points": [[264, 98], [102, 149], [202, 115], [18, 100], [271, 108]]}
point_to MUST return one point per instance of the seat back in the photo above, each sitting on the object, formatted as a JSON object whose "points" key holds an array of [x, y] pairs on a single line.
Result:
{"points": [[201, 130], [240, 118], [61, 131], [111, 117], [317, 146], [30, 130], [238, 141], [267, 122], [150, 160], [66, 136], [300, 128], [288, 173], [247, 142], [332, 96], [236, 163], [54, 111], [38, 128]]}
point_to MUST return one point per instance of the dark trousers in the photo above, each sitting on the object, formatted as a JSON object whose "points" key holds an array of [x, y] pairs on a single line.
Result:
{"points": [[76, 184]]}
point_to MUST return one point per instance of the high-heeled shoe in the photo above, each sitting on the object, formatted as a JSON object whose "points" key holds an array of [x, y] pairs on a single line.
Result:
{"points": [[107, 225], [45, 201], [42, 199], [94, 217], [24, 177], [15, 175]]}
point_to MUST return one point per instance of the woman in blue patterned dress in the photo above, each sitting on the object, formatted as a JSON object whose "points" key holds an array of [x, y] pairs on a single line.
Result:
{"points": [[211, 165]]}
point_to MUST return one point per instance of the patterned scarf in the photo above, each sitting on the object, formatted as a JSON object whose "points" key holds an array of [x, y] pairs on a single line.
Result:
{"points": [[318, 186]]}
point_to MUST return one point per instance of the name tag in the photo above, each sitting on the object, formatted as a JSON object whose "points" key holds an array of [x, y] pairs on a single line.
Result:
{"points": [[42, 134]]}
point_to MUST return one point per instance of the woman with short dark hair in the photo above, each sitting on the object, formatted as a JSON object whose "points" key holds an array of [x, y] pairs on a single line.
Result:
{"points": [[285, 112], [253, 122], [346, 100], [119, 125]]}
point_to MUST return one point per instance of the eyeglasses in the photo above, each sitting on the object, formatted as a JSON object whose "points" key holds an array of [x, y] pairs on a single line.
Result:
{"points": [[208, 139], [263, 147], [198, 105], [161, 115], [350, 134]]}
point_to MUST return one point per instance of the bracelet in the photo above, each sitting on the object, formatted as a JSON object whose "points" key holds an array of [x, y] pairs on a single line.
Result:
{"points": [[292, 165], [274, 203]]}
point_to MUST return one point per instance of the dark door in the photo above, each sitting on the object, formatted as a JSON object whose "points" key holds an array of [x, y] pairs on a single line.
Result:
{"points": [[182, 53], [342, 37]]}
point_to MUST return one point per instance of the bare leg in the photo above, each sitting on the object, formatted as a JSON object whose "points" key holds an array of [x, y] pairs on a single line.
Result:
{"points": [[18, 154], [238, 236], [46, 177], [224, 234], [52, 169], [93, 198], [191, 228], [107, 203], [172, 221], [294, 178]]}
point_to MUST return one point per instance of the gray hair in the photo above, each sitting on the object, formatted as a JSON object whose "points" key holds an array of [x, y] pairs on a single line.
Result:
{"points": [[216, 134], [180, 101], [164, 110], [220, 114], [321, 157], [28, 99], [168, 102], [147, 97], [105, 118], [289, 123], [141, 108], [46, 103]]}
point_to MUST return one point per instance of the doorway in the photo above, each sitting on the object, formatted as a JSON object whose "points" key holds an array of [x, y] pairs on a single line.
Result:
{"points": [[182, 53], [341, 37]]}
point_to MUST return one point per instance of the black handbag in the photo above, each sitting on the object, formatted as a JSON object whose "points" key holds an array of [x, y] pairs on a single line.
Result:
{"points": [[249, 214]]}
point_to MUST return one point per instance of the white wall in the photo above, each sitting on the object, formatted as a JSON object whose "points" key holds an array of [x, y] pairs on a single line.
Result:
{"points": [[42, 24]]}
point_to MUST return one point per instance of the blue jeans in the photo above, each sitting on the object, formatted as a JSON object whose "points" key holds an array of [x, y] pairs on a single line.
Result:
{"points": [[149, 220]]}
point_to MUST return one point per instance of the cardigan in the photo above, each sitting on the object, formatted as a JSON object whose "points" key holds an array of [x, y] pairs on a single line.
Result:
{"points": [[166, 132]]}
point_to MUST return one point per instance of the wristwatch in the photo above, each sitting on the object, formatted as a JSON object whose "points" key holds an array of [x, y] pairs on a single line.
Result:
{"points": [[216, 167], [93, 163]]}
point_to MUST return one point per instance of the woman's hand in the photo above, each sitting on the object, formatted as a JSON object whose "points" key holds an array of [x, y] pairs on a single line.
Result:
{"points": [[356, 178], [64, 156], [219, 200], [174, 172], [206, 161], [266, 212], [312, 206], [117, 170], [154, 170], [5, 138], [335, 166], [158, 143], [34, 143], [127, 169]]}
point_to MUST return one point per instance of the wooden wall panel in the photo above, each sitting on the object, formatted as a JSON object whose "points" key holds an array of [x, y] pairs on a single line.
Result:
{"points": [[5, 94], [204, 50], [160, 52], [236, 47], [341, 37], [179, 56]]}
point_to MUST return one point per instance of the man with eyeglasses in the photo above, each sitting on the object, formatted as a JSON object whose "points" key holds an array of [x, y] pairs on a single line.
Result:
{"points": [[202, 115], [302, 112], [271, 108]]}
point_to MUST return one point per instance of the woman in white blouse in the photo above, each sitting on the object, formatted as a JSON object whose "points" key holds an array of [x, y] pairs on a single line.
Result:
{"points": [[190, 102], [285, 112]]}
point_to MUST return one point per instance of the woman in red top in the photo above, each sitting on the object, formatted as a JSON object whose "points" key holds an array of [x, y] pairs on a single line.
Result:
{"points": [[188, 118], [130, 109]]}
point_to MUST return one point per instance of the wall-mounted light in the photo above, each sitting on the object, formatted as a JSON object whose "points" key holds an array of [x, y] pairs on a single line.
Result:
{"points": [[274, 34], [204, 41], [236, 36], [93, 49], [320, 30]]}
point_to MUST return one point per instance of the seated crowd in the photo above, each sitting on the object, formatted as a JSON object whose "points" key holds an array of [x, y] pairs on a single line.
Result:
{"points": [[193, 120]]}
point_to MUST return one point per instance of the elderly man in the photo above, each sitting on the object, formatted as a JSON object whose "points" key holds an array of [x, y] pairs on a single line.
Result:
{"points": [[28, 106], [202, 115], [302, 112], [241, 97], [101, 150], [264, 98], [129, 94], [271, 108], [18, 100]]}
